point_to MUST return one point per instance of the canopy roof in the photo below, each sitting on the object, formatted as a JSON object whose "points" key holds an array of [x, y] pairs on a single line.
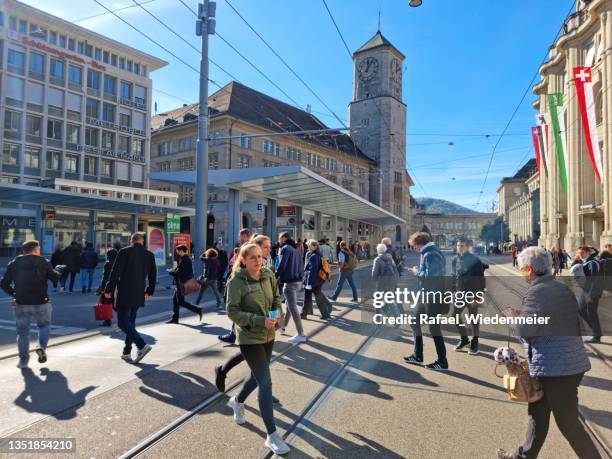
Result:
{"points": [[292, 184]]}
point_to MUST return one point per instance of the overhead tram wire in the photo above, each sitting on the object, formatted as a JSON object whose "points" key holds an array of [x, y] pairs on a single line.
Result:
{"points": [[338, 29], [195, 48], [529, 86], [108, 12], [306, 85]]}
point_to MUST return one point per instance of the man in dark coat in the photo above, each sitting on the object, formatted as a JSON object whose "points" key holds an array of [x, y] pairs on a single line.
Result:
{"points": [[72, 260], [133, 266], [182, 273], [108, 265], [89, 262]]}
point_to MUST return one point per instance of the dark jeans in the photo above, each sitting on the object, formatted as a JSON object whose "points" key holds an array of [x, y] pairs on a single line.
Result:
{"points": [[126, 319], [436, 334], [325, 307], [258, 358], [178, 300], [472, 310], [212, 284], [588, 311], [64, 278], [560, 398], [233, 361]]}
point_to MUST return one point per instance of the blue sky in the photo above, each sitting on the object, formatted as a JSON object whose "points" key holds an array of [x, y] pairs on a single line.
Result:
{"points": [[467, 65]]}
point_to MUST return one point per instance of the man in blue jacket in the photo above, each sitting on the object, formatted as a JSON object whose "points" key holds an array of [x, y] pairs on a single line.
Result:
{"points": [[290, 271], [430, 273], [89, 262]]}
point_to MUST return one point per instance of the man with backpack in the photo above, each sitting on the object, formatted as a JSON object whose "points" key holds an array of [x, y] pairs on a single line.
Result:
{"points": [[397, 259], [347, 261], [386, 275], [467, 273], [591, 292]]}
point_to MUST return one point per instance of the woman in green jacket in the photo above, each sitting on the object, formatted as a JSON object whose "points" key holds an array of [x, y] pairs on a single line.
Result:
{"points": [[254, 305]]}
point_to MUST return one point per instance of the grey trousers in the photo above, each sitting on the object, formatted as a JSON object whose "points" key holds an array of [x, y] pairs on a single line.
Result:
{"points": [[290, 290]]}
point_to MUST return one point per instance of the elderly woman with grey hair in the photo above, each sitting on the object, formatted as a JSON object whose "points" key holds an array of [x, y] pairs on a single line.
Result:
{"points": [[385, 274], [555, 354]]}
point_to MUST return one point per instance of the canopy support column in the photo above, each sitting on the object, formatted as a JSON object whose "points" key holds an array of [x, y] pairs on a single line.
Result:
{"points": [[233, 218]]}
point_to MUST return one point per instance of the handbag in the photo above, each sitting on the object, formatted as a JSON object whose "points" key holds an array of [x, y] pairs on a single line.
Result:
{"points": [[519, 384], [103, 310], [190, 286]]}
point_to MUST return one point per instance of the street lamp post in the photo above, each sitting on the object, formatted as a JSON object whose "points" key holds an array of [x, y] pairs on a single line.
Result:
{"points": [[205, 26]]}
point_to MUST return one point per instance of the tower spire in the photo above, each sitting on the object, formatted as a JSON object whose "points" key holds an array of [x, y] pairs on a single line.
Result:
{"points": [[378, 18]]}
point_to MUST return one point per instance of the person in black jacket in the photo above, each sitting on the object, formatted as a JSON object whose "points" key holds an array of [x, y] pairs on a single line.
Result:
{"points": [[591, 292], [133, 266], [313, 284], [72, 259], [89, 262], [25, 280], [108, 265], [210, 276], [182, 273], [56, 260], [467, 273]]}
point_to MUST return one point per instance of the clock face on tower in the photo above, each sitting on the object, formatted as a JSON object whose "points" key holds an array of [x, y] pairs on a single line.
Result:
{"points": [[368, 68], [396, 70]]}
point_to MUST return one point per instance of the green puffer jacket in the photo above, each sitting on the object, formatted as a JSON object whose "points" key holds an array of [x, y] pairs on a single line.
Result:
{"points": [[248, 303]]}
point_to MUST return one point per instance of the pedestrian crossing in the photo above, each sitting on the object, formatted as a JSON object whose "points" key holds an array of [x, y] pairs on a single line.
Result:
{"points": [[58, 330]]}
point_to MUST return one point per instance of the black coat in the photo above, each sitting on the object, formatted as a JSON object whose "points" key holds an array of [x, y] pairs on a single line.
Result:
{"points": [[468, 273], [26, 278], [311, 269], [57, 258], [184, 270], [210, 268], [111, 255], [72, 258], [133, 266]]}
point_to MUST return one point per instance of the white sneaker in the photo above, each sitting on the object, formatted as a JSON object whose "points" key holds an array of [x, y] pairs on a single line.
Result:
{"points": [[22, 364], [281, 330], [238, 409], [276, 444], [297, 339], [127, 357], [142, 352]]}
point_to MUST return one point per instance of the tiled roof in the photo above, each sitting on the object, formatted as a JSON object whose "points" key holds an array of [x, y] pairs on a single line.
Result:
{"points": [[247, 104], [376, 41]]}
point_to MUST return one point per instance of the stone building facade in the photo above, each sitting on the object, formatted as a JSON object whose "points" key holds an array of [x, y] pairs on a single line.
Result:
{"points": [[446, 228], [583, 214], [524, 214]]}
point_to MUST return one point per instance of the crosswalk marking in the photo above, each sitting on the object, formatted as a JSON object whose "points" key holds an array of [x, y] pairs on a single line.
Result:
{"points": [[55, 329]]}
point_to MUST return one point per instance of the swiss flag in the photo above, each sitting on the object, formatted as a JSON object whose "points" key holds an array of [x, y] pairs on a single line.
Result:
{"points": [[583, 74]]}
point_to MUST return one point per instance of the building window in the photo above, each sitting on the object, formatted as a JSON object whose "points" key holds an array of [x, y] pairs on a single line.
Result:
{"points": [[53, 38], [164, 166], [108, 112], [106, 168], [270, 164], [89, 165], [125, 120], [12, 23], [126, 90], [75, 76], [72, 163], [348, 184], [91, 136], [362, 189], [108, 140], [105, 57], [54, 129], [53, 160], [110, 85], [98, 54], [347, 169], [89, 50], [138, 147], [34, 126], [12, 124], [271, 148], [213, 161], [398, 177], [73, 134], [129, 66], [136, 68], [62, 41], [93, 80], [80, 47], [10, 154], [37, 66], [124, 144], [71, 44], [16, 61], [122, 63], [92, 108], [32, 157], [114, 60], [244, 162], [245, 142], [56, 72]]}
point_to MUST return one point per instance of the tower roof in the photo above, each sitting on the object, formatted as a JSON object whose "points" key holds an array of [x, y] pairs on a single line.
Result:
{"points": [[377, 41]]}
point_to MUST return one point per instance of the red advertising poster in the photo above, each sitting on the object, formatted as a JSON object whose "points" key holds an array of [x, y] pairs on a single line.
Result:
{"points": [[157, 244], [182, 239]]}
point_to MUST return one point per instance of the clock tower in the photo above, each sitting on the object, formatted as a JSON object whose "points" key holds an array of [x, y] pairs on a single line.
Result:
{"points": [[377, 118]]}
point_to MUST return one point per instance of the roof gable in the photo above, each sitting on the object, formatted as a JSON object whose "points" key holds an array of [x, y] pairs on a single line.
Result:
{"points": [[377, 41]]}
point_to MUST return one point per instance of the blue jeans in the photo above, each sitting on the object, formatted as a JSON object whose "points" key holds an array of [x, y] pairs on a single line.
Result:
{"points": [[24, 313], [87, 272], [126, 319], [345, 275]]}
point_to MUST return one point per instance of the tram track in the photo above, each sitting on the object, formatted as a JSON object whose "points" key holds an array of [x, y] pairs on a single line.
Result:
{"points": [[211, 402]]}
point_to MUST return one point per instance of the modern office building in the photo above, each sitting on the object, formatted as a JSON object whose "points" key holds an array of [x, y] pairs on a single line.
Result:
{"points": [[75, 106]]}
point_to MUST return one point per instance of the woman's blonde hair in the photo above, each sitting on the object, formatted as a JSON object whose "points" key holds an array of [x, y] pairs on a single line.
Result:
{"points": [[243, 253], [259, 239]]}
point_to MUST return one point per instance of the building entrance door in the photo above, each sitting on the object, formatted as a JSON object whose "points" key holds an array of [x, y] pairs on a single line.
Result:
{"points": [[63, 237]]}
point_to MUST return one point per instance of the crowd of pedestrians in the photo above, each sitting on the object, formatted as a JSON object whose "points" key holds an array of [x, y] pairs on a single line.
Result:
{"points": [[252, 284]]}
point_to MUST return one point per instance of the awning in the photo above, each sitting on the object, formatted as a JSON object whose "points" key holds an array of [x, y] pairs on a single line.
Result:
{"points": [[292, 184], [58, 198]]}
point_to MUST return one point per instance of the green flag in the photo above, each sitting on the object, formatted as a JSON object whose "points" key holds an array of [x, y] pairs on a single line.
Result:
{"points": [[557, 119]]}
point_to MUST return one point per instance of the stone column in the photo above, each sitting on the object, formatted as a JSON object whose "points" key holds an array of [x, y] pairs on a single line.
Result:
{"points": [[134, 222], [574, 236], [91, 235], [334, 228], [318, 221], [271, 212], [606, 20], [345, 230], [233, 218], [299, 226]]}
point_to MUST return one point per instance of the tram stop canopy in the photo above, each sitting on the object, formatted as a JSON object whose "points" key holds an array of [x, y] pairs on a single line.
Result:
{"points": [[295, 185]]}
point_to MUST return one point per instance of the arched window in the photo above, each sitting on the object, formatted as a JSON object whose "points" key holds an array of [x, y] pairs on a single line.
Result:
{"points": [[398, 233]]}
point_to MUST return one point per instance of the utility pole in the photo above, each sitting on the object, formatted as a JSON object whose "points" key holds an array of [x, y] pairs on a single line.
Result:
{"points": [[205, 26]]}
